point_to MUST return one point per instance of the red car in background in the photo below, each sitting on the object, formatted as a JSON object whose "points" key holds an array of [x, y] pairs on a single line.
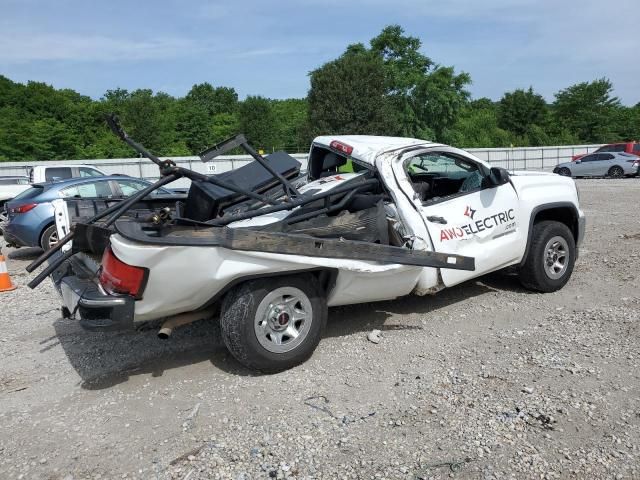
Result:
{"points": [[629, 147]]}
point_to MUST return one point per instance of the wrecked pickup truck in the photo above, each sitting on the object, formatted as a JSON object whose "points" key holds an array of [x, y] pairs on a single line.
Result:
{"points": [[375, 218]]}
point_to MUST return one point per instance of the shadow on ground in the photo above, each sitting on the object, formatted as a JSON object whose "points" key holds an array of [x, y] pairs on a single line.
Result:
{"points": [[365, 317], [103, 360], [26, 253]]}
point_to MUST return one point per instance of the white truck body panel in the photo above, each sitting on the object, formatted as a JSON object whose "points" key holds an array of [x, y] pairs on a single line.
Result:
{"points": [[172, 273]]}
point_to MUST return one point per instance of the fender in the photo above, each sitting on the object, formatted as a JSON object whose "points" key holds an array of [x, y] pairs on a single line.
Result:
{"points": [[326, 276], [549, 206]]}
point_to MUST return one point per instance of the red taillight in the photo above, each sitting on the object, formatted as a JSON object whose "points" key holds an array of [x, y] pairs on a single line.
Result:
{"points": [[23, 208], [341, 147], [118, 277]]}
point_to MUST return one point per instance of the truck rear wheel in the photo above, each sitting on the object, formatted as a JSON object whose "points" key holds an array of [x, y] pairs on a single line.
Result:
{"points": [[272, 324], [551, 256]]}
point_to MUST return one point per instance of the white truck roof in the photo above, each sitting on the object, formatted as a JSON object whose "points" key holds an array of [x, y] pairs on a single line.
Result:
{"points": [[367, 147]]}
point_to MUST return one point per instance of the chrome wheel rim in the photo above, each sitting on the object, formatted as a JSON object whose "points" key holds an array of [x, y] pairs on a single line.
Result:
{"points": [[556, 257], [565, 172], [53, 239], [283, 319]]}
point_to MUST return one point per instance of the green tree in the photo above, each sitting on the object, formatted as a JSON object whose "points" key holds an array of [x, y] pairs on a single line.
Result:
{"points": [[427, 97], [438, 99], [199, 111], [405, 66], [415, 97], [588, 110], [224, 125], [477, 126], [519, 111], [258, 122], [349, 95], [627, 123], [291, 118], [212, 100]]}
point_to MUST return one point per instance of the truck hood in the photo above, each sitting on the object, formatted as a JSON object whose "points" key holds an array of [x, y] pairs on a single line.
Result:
{"points": [[529, 173]]}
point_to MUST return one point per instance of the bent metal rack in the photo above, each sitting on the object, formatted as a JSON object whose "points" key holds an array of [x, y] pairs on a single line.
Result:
{"points": [[89, 236]]}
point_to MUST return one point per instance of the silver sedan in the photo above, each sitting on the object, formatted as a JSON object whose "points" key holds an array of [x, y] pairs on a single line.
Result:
{"points": [[610, 164]]}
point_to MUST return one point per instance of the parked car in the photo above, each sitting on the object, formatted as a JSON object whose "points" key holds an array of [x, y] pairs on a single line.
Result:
{"points": [[30, 214], [57, 172], [413, 217], [10, 186], [628, 147], [614, 165]]}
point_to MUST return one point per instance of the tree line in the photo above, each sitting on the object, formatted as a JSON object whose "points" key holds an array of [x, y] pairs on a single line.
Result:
{"points": [[385, 88]]}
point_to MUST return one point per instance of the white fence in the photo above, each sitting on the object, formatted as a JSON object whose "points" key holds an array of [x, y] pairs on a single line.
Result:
{"points": [[530, 158], [144, 168], [518, 158]]}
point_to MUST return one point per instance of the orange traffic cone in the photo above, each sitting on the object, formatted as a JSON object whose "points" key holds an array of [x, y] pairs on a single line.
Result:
{"points": [[5, 279]]}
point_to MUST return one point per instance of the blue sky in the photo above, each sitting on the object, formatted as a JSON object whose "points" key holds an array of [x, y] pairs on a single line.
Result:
{"points": [[268, 47]]}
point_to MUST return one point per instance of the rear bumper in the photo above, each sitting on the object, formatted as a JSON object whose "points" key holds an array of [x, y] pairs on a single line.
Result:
{"points": [[98, 311], [10, 237]]}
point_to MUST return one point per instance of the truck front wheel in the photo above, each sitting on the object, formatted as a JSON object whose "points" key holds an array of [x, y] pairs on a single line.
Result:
{"points": [[551, 256], [271, 324]]}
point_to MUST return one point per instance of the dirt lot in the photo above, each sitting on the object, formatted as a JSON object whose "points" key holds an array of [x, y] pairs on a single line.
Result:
{"points": [[484, 380]]}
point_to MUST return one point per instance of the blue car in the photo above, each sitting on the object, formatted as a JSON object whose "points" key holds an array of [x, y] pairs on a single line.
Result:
{"points": [[30, 214]]}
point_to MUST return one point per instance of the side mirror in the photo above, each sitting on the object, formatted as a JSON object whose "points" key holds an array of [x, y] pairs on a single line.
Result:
{"points": [[578, 161], [498, 176]]}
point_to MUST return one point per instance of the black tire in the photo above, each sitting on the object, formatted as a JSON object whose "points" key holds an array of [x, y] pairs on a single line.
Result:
{"points": [[535, 274], [615, 172], [565, 172], [240, 323], [48, 236]]}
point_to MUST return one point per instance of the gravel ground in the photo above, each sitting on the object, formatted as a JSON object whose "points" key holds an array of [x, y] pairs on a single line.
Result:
{"points": [[484, 380]]}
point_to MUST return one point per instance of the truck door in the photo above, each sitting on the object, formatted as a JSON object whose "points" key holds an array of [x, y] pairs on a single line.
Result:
{"points": [[465, 214]]}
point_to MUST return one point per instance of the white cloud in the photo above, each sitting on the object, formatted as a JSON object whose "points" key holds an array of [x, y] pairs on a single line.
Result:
{"points": [[33, 46], [263, 52], [23, 47]]}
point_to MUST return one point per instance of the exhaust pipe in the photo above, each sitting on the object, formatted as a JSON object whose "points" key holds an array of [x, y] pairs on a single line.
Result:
{"points": [[183, 319]]}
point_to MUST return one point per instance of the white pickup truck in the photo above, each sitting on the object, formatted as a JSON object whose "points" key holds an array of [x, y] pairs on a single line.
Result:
{"points": [[375, 218]]}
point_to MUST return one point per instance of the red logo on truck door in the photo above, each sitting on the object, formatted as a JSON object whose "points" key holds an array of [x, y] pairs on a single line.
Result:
{"points": [[469, 212]]}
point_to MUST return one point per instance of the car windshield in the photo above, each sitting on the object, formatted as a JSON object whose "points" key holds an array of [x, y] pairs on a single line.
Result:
{"points": [[30, 193]]}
